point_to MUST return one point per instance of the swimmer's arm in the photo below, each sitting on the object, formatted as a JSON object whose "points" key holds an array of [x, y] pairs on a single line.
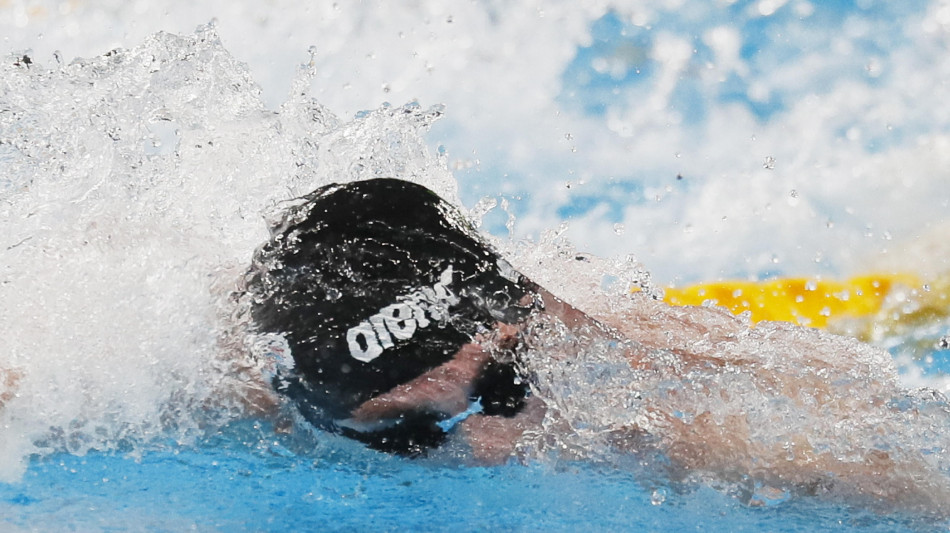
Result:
{"points": [[444, 389], [582, 324], [688, 332], [572, 317]]}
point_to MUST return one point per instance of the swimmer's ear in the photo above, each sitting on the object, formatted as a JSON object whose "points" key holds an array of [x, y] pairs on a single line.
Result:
{"points": [[505, 337]]}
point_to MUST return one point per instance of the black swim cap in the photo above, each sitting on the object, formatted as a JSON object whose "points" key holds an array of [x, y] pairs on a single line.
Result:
{"points": [[372, 284]]}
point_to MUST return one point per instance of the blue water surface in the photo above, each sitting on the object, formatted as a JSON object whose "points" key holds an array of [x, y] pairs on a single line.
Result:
{"points": [[247, 478]]}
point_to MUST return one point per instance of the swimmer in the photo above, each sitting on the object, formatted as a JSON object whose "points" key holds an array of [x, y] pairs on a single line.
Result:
{"points": [[385, 299], [384, 317]]}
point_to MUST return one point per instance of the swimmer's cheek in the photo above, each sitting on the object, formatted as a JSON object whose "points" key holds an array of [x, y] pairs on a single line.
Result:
{"points": [[259, 401], [246, 388], [494, 439]]}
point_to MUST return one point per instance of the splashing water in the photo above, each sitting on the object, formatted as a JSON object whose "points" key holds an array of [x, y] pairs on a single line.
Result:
{"points": [[762, 412], [134, 194]]}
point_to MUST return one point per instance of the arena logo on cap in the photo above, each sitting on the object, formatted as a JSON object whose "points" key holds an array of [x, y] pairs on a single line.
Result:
{"points": [[400, 321]]}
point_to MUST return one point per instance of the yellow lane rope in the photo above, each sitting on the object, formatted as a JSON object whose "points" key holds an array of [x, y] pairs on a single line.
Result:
{"points": [[872, 305]]}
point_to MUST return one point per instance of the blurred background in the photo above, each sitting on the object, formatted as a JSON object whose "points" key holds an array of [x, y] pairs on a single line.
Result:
{"points": [[711, 139]]}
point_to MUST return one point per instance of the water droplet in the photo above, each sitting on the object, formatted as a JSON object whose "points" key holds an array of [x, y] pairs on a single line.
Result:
{"points": [[658, 497], [769, 163], [793, 198], [619, 229]]}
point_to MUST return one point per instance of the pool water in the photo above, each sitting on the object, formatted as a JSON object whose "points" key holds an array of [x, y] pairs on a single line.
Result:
{"points": [[231, 483], [692, 140]]}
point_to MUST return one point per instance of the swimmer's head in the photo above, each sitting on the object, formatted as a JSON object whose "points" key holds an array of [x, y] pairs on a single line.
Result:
{"points": [[372, 284]]}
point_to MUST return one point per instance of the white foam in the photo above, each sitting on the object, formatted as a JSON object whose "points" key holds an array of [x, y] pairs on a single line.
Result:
{"points": [[140, 187]]}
